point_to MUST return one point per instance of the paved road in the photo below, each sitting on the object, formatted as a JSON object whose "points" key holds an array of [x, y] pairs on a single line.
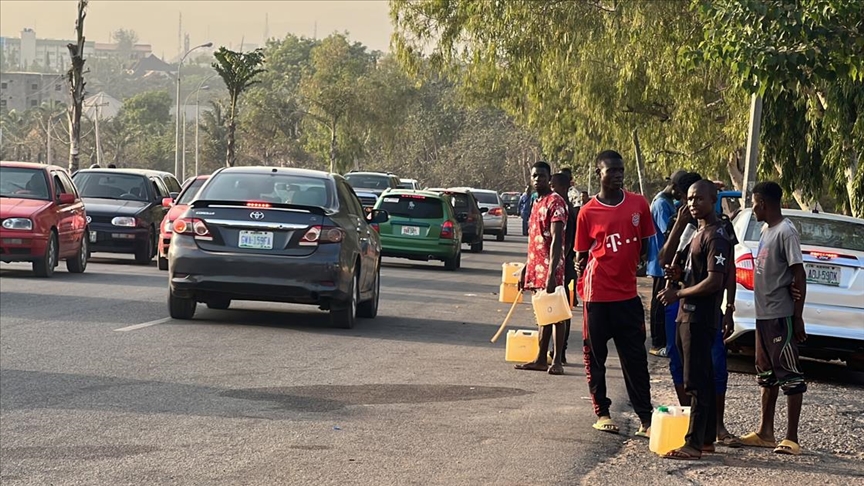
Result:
{"points": [[270, 394]]}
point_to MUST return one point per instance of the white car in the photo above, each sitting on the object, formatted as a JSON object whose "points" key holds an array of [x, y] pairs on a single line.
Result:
{"points": [[495, 217], [409, 184], [833, 253]]}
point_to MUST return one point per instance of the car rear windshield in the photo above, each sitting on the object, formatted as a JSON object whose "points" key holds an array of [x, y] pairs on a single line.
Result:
{"points": [[190, 191], [268, 187], [417, 207], [23, 183], [510, 197], [407, 185], [486, 197], [460, 201], [112, 186], [829, 233], [358, 181]]}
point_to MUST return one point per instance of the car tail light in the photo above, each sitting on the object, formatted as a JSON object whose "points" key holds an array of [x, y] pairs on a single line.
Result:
{"points": [[821, 255], [447, 230], [258, 204], [192, 227], [321, 235], [495, 212], [745, 268]]}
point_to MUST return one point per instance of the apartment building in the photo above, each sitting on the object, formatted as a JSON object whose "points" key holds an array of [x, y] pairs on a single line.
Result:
{"points": [[22, 91], [29, 53]]}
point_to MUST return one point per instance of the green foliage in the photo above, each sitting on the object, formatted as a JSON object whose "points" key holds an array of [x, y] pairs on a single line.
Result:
{"points": [[238, 71]]}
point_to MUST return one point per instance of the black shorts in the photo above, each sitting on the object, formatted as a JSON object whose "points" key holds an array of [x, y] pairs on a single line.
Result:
{"points": [[777, 361]]}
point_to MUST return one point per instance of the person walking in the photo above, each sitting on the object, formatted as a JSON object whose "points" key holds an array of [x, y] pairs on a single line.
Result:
{"points": [[525, 202], [612, 234], [779, 319], [705, 273]]}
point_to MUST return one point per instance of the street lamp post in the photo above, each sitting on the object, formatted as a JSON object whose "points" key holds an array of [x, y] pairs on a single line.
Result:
{"points": [[177, 113], [201, 86]]}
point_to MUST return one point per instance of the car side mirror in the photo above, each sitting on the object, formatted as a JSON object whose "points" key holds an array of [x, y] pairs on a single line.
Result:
{"points": [[378, 216], [66, 198], [484, 210], [462, 217], [167, 202]]}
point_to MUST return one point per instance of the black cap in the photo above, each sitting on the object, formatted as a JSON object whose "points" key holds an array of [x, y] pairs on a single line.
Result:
{"points": [[676, 177]]}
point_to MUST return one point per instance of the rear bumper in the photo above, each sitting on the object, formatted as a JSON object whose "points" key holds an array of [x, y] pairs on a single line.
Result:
{"points": [[440, 249], [116, 239], [492, 225], [470, 233], [22, 246], [164, 244], [198, 274]]}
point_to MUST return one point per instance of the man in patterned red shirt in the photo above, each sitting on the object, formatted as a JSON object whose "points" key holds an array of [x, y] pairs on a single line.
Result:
{"points": [[612, 233], [544, 269]]}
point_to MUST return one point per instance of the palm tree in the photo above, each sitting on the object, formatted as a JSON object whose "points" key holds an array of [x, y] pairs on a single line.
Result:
{"points": [[237, 70]]}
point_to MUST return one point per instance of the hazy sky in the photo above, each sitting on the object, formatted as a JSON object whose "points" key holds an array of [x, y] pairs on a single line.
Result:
{"points": [[223, 22]]}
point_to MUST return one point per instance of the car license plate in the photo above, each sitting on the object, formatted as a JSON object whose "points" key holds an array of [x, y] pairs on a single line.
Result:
{"points": [[411, 231], [823, 274], [92, 237], [256, 240]]}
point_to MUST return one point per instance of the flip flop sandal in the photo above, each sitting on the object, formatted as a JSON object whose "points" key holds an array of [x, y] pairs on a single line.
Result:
{"points": [[556, 370], [531, 367], [752, 439], [606, 425], [788, 447], [643, 432], [681, 455], [731, 441]]}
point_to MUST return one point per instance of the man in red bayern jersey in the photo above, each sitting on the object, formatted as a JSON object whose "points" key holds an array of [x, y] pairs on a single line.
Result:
{"points": [[612, 234]]}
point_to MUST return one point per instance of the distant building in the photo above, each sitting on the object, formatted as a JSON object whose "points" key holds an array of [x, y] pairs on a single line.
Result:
{"points": [[152, 65], [29, 53], [21, 91], [102, 106]]}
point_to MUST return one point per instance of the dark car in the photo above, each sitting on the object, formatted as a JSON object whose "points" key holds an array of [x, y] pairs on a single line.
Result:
{"points": [[124, 210], [470, 217], [511, 202], [374, 182], [276, 235]]}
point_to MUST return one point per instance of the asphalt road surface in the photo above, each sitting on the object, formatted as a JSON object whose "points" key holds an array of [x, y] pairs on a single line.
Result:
{"points": [[99, 386]]}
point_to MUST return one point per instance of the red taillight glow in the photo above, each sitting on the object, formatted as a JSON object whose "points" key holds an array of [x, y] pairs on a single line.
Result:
{"points": [[320, 235], [495, 212], [821, 255], [447, 230], [258, 204], [412, 196], [193, 227], [744, 270]]}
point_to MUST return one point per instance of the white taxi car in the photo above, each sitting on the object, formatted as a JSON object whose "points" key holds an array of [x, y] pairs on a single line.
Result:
{"points": [[833, 253]]}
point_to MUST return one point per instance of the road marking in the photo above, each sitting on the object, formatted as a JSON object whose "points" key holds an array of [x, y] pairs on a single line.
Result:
{"points": [[143, 325]]}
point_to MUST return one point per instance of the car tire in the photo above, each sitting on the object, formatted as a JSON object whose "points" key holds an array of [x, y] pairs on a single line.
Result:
{"points": [[144, 253], [44, 267], [344, 314], [451, 264], [477, 247], [369, 308], [500, 235], [220, 303], [162, 262], [78, 263], [181, 308]]}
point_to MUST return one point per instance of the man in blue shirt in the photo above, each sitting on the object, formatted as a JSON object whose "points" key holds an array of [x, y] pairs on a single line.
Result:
{"points": [[662, 211], [525, 203]]}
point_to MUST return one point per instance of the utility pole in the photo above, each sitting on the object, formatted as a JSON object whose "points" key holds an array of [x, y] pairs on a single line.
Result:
{"points": [[75, 77], [640, 162], [751, 163]]}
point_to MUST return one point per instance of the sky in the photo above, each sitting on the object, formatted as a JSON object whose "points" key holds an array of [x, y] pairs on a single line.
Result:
{"points": [[223, 22]]}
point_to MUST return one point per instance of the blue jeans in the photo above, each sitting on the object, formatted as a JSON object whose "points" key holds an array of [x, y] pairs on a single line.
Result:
{"points": [[718, 353]]}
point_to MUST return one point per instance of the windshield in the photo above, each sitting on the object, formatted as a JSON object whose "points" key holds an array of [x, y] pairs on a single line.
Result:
{"points": [[407, 185], [460, 201], [819, 232], [272, 188], [368, 181], [486, 197], [23, 183], [510, 196], [190, 191], [112, 186], [417, 207]]}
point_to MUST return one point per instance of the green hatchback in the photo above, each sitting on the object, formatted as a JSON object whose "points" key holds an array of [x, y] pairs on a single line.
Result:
{"points": [[422, 226]]}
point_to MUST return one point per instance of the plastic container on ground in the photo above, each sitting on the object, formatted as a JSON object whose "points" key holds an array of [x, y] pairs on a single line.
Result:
{"points": [[669, 425], [551, 308], [522, 346], [510, 273], [508, 293]]}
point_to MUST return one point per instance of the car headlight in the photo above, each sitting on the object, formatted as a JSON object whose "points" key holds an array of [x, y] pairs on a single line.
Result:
{"points": [[18, 224], [124, 221]]}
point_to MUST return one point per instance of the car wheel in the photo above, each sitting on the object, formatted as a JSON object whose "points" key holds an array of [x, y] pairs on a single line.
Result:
{"points": [[78, 263], [369, 309], [44, 267], [144, 253], [343, 314], [477, 247], [500, 235], [162, 262], [505, 229], [453, 263], [219, 303], [181, 308]]}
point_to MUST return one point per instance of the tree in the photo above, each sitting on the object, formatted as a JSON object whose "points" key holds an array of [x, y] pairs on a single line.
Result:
{"points": [[75, 77], [806, 59], [238, 71], [215, 142]]}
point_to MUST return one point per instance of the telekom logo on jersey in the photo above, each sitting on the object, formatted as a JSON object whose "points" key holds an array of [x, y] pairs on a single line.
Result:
{"points": [[614, 241]]}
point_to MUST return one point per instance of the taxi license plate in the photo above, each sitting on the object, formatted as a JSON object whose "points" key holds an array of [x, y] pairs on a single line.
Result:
{"points": [[411, 231], [823, 274], [92, 237], [256, 240]]}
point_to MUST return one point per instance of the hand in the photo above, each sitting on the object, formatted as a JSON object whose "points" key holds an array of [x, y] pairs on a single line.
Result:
{"points": [[581, 263], [672, 273], [728, 323], [684, 217], [668, 296], [796, 295], [550, 285], [522, 279], [798, 329]]}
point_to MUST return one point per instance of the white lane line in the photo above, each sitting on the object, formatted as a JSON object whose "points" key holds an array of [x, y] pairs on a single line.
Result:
{"points": [[143, 325]]}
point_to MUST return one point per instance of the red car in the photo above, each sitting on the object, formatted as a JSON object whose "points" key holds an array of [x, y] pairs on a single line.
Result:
{"points": [[178, 206], [42, 218]]}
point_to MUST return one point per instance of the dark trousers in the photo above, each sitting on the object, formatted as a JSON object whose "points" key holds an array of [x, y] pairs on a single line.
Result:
{"points": [[658, 315], [568, 278], [524, 226], [694, 342], [624, 323]]}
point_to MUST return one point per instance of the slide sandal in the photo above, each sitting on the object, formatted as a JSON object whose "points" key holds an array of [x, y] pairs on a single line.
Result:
{"points": [[752, 439], [788, 447], [605, 424]]}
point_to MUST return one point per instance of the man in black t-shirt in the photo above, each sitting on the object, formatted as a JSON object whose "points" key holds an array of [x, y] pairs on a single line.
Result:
{"points": [[561, 184], [705, 278]]}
